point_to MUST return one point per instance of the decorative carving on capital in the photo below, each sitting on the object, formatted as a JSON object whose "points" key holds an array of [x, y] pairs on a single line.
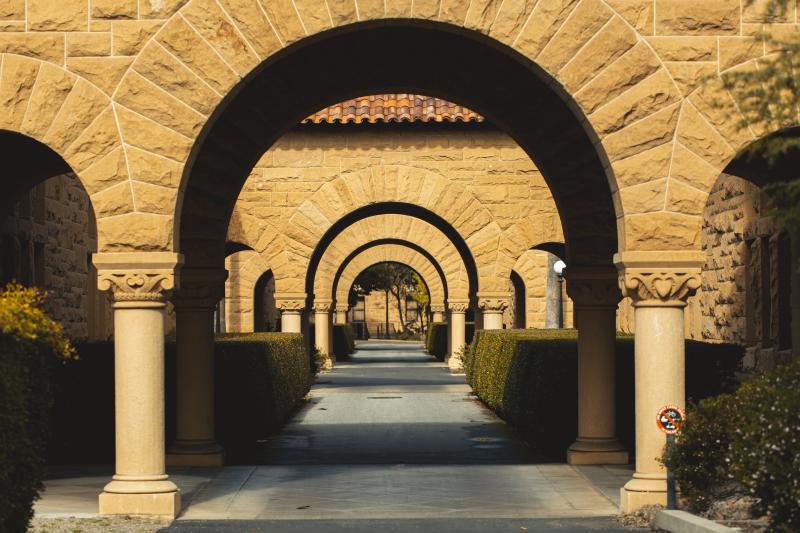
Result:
{"points": [[458, 306], [322, 306], [493, 304], [342, 308], [200, 287], [438, 308], [138, 277], [659, 278], [593, 287], [290, 302], [659, 286]]}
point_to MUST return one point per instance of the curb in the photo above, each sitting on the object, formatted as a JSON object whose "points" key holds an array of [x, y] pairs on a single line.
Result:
{"points": [[683, 522]]}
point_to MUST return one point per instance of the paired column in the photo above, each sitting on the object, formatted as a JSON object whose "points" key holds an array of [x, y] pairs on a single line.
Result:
{"points": [[595, 294], [438, 312], [194, 303], [659, 283], [492, 306], [322, 313], [291, 306], [140, 284], [341, 313], [458, 332]]}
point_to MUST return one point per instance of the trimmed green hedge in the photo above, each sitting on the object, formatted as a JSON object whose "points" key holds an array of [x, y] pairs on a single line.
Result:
{"points": [[749, 440], [344, 340], [31, 344], [529, 377], [436, 340], [260, 380]]}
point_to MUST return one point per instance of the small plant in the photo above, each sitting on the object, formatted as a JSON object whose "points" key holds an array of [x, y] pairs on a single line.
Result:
{"points": [[31, 343]]}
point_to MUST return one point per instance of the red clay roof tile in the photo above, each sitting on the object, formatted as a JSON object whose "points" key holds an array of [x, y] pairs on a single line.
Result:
{"points": [[393, 108]]}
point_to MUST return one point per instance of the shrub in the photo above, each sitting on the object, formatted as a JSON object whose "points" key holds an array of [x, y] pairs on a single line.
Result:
{"points": [[764, 449], [749, 439], [698, 458], [436, 340], [260, 379], [344, 340], [30, 345], [522, 374]]}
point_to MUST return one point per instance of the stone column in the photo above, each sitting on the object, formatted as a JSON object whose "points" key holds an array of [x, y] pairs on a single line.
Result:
{"points": [[438, 312], [492, 305], [194, 303], [659, 283], [140, 284], [341, 313], [595, 293], [322, 313], [458, 327], [291, 306]]}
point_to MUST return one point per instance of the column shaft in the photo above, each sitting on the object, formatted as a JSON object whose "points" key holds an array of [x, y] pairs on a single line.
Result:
{"points": [[458, 340], [140, 283], [291, 322]]}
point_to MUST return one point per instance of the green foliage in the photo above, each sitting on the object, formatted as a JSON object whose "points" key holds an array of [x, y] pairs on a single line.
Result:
{"points": [[750, 439], [395, 278], [30, 346], [529, 377], [698, 458], [436, 340], [344, 342], [260, 379]]}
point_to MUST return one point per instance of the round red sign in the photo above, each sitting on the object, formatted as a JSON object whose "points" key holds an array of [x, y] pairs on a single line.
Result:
{"points": [[670, 419]]}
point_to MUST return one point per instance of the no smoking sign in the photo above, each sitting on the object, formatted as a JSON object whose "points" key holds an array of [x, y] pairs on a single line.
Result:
{"points": [[670, 419]]}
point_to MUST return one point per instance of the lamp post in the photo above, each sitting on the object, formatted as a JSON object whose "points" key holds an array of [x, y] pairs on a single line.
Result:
{"points": [[558, 268]]}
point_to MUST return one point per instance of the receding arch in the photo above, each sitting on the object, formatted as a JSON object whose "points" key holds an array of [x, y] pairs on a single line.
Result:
{"points": [[390, 253], [461, 66], [387, 209]]}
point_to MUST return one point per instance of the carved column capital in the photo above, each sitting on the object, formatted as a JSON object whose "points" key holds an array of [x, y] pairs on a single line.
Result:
{"points": [[437, 308], [591, 287], [659, 278], [458, 306], [290, 302], [138, 277], [493, 302], [322, 306], [200, 287], [342, 308]]}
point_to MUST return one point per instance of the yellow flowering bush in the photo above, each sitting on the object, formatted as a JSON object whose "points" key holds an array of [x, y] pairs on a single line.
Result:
{"points": [[31, 343]]}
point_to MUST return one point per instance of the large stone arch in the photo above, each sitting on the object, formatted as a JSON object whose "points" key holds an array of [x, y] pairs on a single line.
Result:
{"points": [[391, 253], [53, 122], [382, 228], [631, 86]]}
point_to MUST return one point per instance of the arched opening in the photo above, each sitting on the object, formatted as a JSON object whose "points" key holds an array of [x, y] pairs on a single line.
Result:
{"points": [[462, 67], [519, 312], [265, 312]]}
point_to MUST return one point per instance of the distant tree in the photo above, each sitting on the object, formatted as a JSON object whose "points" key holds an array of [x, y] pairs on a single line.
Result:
{"points": [[768, 96], [419, 293], [391, 278]]}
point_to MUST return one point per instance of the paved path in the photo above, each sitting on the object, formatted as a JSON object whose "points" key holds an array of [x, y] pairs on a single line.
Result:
{"points": [[389, 441], [392, 434]]}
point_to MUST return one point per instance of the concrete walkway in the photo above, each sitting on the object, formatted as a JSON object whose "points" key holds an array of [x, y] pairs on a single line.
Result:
{"points": [[388, 435]]}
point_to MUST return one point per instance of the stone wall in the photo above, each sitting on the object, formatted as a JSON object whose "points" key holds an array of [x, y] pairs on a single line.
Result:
{"points": [[741, 300], [48, 242]]}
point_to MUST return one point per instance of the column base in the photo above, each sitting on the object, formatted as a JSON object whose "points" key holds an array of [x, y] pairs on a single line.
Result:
{"points": [[163, 504], [639, 492], [456, 364], [188, 453], [597, 452]]}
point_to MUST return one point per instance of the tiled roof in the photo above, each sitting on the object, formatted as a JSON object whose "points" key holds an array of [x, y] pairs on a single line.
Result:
{"points": [[393, 108]]}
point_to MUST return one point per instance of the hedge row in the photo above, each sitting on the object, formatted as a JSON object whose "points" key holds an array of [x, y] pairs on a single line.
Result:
{"points": [[31, 345], [529, 377], [745, 443], [436, 340], [344, 340], [260, 379]]}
